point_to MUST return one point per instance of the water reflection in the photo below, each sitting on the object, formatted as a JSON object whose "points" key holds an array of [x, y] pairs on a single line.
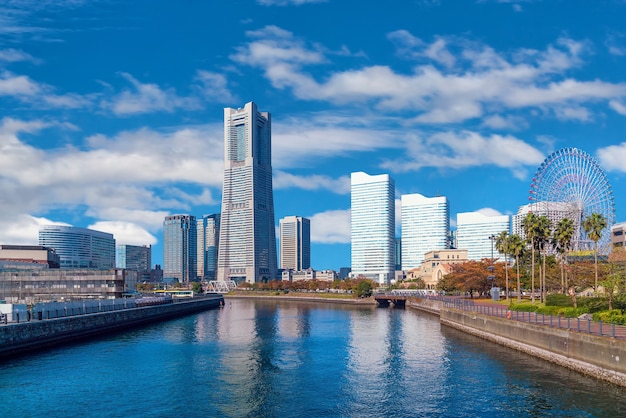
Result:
{"points": [[286, 359]]}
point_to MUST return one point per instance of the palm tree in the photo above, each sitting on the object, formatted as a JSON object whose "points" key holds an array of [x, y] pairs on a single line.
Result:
{"points": [[529, 225], [502, 245], [562, 242], [593, 225], [543, 232], [516, 247]]}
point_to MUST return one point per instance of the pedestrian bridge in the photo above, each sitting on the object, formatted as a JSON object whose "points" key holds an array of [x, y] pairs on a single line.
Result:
{"points": [[398, 297]]}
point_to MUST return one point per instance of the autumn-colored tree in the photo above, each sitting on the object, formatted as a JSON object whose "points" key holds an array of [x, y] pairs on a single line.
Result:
{"points": [[471, 277]]}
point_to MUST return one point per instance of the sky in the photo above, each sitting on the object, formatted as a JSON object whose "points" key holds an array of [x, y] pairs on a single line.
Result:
{"points": [[112, 111]]}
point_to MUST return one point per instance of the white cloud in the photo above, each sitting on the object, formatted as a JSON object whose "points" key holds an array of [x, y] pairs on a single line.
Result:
{"points": [[612, 158], [214, 87], [331, 227], [472, 77], [283, 180], [618, 106], [22, 229], [489, 212], [146, 98], [125, 233], [38, 95], [457, 150], [299, 141], [15, 55], [136, 170], [505, 122]]}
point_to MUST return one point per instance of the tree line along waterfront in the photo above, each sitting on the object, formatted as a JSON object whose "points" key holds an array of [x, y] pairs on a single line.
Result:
{"points": [[543, 272], [540, 272]]}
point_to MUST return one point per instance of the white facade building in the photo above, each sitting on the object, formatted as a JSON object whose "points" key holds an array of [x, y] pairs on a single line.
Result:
{"points": [[474, 231], [373, 227], [425, 227]]}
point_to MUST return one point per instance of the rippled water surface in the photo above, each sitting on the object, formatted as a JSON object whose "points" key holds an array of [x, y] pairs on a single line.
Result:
{"points": [[257, 358]]}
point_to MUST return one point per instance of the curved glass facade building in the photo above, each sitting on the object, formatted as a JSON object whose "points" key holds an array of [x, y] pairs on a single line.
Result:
{"points": [[425, 227], [247, 242], [373, 219], [79, 247]]}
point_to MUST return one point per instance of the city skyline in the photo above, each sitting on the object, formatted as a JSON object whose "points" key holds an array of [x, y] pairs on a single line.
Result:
{"points": [[450, 99]]}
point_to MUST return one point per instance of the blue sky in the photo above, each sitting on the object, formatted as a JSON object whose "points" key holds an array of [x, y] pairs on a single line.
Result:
{"points": [[112, 111]]}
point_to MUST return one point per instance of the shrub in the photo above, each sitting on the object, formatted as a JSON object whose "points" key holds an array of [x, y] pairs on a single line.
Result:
{"points": [[523, 307], [593, 305], [559, 299], [610, 317]]}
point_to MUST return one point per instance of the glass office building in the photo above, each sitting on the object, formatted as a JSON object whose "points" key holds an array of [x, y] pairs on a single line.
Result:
{"points": [[134, 257], [295, 243], [372, 226], [247, 243], [425, 227], [473, 232], [179, 248], [208, 243], [79, 247]]}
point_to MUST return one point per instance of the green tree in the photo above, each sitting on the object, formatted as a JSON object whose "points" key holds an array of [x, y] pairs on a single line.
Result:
{"points": [[593, 225], [562, 242], [502, 245], [196, 287], [364, 289], [529, 225]]}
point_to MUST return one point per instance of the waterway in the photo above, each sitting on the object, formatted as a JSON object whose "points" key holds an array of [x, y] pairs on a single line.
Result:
{"points": [[258, 358]]}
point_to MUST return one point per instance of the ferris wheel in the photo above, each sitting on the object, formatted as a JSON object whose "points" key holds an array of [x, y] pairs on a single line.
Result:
{"points": [[571, 184]]}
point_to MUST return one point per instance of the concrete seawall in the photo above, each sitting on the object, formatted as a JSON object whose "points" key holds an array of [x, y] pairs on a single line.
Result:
{"points": [[34, 335], [344, 301], [601, 357]]}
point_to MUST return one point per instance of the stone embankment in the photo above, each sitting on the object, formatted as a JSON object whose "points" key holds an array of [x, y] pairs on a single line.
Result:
{"points": [[306, 297], [602, 357], [37, 334]]}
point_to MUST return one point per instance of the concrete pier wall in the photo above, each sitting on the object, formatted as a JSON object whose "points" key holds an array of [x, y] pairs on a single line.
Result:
{"points": [[601, 357], [34, 335]]}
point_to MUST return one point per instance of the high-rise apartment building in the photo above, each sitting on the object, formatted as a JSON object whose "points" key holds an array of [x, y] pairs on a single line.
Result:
{"points": [[79, 247], [474, 231], [134, 257], [247, 244], [295, 243], [373, 221], [208, 240], [179, 248], [425, 227]]}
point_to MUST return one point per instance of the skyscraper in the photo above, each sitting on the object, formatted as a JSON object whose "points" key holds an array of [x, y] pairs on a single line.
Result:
{"points": [[425, 227], [247, 244], [295, 243], [179, 247], [134, 257], [373, 221], [208, 239], [79, 247], [473, 230]]}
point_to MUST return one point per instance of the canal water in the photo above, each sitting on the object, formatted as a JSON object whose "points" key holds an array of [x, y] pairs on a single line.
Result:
{"points": [[257, 358]]}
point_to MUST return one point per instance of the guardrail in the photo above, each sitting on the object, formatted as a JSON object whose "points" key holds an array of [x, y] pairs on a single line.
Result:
{"points": [[583, 324]]}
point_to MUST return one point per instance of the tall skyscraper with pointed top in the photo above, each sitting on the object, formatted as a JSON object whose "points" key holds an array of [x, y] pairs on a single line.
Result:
{"points": [[247, 243]]}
